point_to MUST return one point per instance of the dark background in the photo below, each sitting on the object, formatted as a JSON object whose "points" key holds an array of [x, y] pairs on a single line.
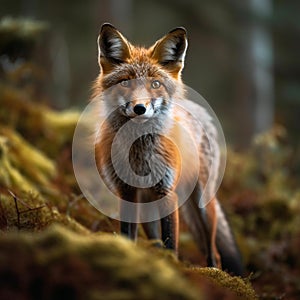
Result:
{"points": [[243, 56]]}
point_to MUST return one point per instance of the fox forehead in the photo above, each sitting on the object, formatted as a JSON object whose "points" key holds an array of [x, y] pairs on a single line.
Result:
{"points": [[141, 62], [137, 66]]}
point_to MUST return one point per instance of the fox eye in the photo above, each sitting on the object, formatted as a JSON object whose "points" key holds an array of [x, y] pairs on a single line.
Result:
{"points": [[155, 84], [124, 83]]}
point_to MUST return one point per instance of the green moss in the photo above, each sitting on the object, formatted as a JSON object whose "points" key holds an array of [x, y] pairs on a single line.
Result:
{"points": [[240, 287], [30, 161], [47, 129], [10, 176], [58, 262], [25, 212]]}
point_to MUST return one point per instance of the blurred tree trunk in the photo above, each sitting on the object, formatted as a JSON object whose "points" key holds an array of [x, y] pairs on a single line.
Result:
{"points": [[61, 71], [255, 91], [122, 13], [117, 12], [29, 8]]}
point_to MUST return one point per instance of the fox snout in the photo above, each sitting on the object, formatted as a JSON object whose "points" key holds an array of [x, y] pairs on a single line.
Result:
{"points": [[141, 108]]}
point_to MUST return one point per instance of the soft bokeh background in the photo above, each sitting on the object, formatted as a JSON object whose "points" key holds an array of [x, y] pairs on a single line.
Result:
{"points": [[243, 55]]}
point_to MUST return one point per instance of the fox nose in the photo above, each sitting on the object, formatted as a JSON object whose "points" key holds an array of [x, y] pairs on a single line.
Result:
{"points": [[139, 109]]}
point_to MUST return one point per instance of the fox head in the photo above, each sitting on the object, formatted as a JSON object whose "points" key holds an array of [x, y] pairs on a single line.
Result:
{"points": [[140, 81]]}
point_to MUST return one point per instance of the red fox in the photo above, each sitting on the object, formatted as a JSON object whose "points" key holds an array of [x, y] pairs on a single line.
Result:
{"points": [[145, 82]]}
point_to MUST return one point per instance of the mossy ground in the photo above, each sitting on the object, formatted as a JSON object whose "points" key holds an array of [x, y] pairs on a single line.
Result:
{"points": [[62, 264]]}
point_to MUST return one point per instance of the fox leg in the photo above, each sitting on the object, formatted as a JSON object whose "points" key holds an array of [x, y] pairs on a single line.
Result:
{"points": [[128, 229], [169, 230], [152, 230], [213, 225], [170, 224]]}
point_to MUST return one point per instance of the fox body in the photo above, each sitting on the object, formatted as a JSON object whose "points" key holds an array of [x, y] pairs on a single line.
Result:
{"points": [[143, 85]]}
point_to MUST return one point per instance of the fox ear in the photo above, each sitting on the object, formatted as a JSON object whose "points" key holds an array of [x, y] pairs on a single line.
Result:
{"points": [[113, 48], [170, 50]]}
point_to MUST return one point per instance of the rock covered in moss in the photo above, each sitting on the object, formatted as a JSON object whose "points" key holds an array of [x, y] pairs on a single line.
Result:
{"points": [[59, 264]]}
